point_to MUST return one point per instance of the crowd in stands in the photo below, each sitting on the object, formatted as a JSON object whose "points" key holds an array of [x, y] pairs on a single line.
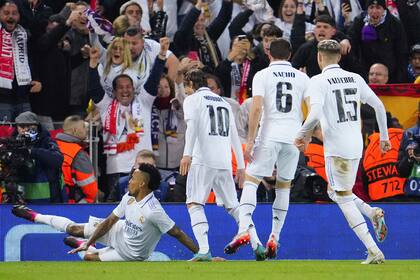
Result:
{"points": [[122, 64]]}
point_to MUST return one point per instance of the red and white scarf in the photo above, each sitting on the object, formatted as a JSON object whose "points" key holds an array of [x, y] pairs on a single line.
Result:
{"points": [[119, 122], [14, 57], [239, 80]]}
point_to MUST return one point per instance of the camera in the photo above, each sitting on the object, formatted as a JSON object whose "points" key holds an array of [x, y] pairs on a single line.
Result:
{"points": [[15, 163], [414, 143]]}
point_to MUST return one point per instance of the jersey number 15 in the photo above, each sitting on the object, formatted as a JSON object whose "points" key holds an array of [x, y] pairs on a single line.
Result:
{"points": [[220, 118], [351, 113]]}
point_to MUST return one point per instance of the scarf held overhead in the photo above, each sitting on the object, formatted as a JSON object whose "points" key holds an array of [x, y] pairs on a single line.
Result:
{"points": [[14, 58]]}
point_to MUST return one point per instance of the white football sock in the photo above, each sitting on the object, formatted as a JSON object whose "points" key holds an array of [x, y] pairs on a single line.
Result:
{"points": [[234, 212], [200, 227], [363, 207], [280, 208], [254, 239], [356, 221], [246, 209], [57, 222], [247, 205]]}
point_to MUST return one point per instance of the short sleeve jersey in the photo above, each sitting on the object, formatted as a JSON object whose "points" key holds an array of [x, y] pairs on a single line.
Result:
{"points": [[282, 88], [214, 124], [145, 222], [340, 93]]}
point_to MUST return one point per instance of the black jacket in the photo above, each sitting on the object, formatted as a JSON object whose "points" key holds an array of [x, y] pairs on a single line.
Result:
{"points": [[184, 39], [223, 72], [306, 56], [389, 49], [54, 70], [48, 161], [404, 164]]}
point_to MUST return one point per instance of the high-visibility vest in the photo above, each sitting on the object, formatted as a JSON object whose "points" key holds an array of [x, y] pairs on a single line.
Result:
{"points": [[89, 185], [315, 154], [381, 170]]}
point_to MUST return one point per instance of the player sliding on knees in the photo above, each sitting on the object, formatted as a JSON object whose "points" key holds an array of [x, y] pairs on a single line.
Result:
{"points": [[211, 134], [278, 93], [335, 97], [132, 239]]}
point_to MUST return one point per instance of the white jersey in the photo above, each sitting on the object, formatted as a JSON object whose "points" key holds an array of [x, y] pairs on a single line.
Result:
{"points": [[340, 92], [145, 222], [115, 70], [144, 63], [282, 88], [141, 110], [215, 123]]}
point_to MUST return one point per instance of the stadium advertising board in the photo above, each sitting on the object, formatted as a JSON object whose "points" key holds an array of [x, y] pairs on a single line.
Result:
{"points": [[311, 231]]}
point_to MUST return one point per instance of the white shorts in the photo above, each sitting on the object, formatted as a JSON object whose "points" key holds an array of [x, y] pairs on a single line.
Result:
{"points": [[267, 154], [341, 172], [107, 254], [202, 179]]}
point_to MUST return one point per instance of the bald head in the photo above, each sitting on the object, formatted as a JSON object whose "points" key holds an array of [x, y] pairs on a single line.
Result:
{"points": [[75, 126], [378, 74]]}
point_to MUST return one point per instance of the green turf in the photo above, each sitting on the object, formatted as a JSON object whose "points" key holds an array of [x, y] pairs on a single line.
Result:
{"points": [[238, 270]]}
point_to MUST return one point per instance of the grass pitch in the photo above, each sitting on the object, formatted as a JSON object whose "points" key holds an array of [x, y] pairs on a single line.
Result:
{"points": [[337, 270]]}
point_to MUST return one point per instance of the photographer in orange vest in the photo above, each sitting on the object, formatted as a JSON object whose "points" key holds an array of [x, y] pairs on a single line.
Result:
{"points": [[78, 172]]}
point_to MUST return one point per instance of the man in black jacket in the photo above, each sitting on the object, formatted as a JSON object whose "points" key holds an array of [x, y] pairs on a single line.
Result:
{"points": [[409, 151], [305, 58], [43, 183], [379, 37], [196, 40]]}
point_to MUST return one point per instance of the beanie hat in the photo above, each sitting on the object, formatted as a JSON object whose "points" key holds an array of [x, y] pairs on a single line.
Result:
{"points": [[27, 118], [129, 3], [376, 2]]}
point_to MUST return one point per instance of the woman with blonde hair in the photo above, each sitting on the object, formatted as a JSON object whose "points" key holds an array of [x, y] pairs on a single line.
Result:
{"points": [[116, 61], [120, 25]]}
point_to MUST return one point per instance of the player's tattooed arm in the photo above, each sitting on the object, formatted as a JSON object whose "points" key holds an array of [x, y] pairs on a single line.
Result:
{"points": [[183, 238]]}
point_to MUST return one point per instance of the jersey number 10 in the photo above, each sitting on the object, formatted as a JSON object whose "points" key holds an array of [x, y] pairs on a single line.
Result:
{"points": [[220, 118], [346, 115]]}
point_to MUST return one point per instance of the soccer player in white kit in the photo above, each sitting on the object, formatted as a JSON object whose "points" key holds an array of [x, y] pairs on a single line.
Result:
{"points": [[278, 93], [335, 97], [131, 239], [210, 136]]}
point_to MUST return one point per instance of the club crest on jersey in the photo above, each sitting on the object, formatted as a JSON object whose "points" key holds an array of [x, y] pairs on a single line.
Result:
{"points": [[142, 219], [131, 200]]}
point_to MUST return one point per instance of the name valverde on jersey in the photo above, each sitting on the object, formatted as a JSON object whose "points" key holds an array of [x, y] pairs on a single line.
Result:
{"points": [[282, 88]]}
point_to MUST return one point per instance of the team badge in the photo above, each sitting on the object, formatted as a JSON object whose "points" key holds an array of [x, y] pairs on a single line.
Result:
{"points": [[142, 219], [131, 200]]}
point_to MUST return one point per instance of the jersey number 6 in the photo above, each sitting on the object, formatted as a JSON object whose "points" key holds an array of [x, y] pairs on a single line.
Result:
{"points": [[284, 99]]}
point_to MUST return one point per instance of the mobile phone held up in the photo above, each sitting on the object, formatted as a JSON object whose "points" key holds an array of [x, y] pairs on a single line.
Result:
{"points": [[347, 2]]}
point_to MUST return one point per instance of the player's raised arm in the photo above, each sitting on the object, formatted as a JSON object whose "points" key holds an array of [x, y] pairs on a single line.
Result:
{"points": [[183, 238], [100, 231]]}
